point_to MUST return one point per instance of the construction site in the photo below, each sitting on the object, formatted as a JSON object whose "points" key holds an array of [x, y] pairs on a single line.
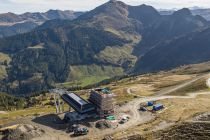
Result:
{"points": [[99, 114], [100, 107], [100, 103]]}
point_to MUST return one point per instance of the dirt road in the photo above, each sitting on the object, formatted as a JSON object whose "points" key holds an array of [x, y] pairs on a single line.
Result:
{"points": [[174, 88], [208, 82]]}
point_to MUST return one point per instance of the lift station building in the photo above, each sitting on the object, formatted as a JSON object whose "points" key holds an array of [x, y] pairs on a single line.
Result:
{"points": [[77, 103], [100, 102]]}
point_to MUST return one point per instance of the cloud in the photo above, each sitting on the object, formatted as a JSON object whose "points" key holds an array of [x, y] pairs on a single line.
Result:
{"points": [[20, 6]]}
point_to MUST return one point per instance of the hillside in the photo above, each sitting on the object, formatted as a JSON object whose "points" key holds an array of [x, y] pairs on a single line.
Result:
{"points": [[189, 49], [49, 62], [168, 27], [67, 47]]}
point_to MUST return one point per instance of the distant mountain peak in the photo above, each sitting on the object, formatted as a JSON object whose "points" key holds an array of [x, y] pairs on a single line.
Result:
{"points": [[183, 12], [110, 13], [144, 13], [116, 3], [113, 1], [146, 6]]}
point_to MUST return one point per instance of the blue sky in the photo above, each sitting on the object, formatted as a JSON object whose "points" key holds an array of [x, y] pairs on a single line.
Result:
{"points": [[21, 6]]}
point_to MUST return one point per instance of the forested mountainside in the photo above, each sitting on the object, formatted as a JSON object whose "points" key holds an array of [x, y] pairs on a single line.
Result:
{"points": [[112, 39], [44, 58], [188, 49], [12, 24]]}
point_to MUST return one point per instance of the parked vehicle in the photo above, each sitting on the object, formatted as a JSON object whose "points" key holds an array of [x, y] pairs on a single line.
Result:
{"points": [[72, 128], [81, 131], [142, 108], [124, 119]]}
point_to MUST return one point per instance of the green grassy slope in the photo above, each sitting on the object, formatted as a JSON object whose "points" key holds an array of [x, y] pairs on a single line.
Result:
{"points": [[84, 75]]}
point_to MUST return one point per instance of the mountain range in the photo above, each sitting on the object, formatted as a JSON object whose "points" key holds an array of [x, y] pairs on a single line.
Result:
{"points": [[112, 39], [12, 24], [195, 11]]}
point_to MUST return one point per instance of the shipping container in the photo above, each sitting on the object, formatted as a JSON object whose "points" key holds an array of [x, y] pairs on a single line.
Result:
{"points": [[150, 103], [158, 107]]}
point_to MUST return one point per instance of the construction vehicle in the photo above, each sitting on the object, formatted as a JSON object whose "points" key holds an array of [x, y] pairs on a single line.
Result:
{"points": [[81, 131]]}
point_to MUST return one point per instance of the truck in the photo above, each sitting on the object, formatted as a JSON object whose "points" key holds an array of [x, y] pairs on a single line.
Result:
{"points": [[81, 131]]}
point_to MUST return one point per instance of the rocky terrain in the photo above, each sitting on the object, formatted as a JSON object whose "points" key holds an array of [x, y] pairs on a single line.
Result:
{"points": [[187, 131], [22, 132]]}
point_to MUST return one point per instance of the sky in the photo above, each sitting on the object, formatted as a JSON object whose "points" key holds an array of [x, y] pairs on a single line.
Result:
{"points": [[21, 6]]}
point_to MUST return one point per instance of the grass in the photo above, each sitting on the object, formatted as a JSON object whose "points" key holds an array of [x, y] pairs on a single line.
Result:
{"points": [[122, 96], [84, 75], [117, 55], [12, 115], [3, 72], [33, 111], [199, 85], [4, 57], [92, 80], [149, 84], [135, 38], [83, 82]]}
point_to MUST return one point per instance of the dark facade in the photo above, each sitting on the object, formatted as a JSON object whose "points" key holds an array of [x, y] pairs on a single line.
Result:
{"points": [[77, 103]]}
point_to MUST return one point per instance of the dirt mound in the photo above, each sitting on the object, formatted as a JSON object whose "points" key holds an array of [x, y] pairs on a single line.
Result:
{"points": [[102, 124], [23, 132], [186, 131]]}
